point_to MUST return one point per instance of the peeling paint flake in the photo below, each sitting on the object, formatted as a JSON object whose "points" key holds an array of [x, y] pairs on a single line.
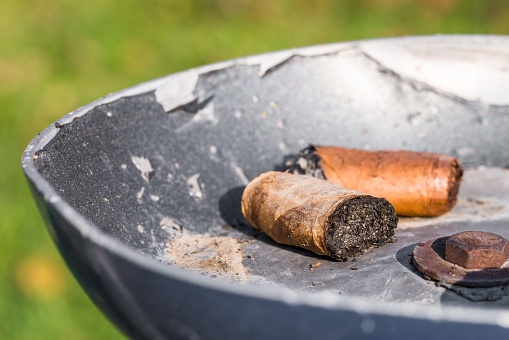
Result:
{"points": [[320, 50], [194, 187], [140, 193], [144, 166], [178, 90], [271, 60]]}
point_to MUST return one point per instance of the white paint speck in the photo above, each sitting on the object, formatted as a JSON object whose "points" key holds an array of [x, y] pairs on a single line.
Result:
{"points": [[177, 166], [194, 186], [144, 166], [255, 99], [123, 166], [238, 114], [139, 194], [213, 149], [140, 228], [280, 123], [154, 198], [109, 114]]}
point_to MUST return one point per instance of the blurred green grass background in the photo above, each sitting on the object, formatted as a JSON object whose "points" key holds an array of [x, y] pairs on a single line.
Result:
{"points": [[56, 55]]}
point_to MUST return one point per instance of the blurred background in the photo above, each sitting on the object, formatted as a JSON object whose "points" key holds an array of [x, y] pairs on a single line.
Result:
{"points": [[57, 55]]}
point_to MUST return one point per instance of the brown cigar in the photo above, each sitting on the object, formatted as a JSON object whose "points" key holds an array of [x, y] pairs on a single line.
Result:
{"points": [[317, 215], [416, 183]]}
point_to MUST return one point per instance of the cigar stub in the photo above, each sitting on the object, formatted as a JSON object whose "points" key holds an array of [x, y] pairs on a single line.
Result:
{"points": [[318, 215], [416, 183]]}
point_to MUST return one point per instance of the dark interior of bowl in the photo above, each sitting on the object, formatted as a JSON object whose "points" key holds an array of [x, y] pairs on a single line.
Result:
{"points": [[144, 174]]}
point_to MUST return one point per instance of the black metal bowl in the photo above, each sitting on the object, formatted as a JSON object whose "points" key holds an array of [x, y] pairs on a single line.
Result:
{"points": [[141, 188]]}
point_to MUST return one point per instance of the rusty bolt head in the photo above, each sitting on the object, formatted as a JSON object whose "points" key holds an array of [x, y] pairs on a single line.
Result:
{"points": [[477, 250]]}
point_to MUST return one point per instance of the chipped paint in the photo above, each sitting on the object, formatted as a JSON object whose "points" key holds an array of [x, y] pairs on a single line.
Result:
{"points": [[206, 114], [452, 66], [194, 187], [269, 61], [139, 194], [144, 166], [131, 91], [179, 89], [422, 61]]}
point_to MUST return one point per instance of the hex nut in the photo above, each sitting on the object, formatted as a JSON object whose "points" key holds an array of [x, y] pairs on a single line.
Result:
{"points": [[429, 258], [477, 250]]}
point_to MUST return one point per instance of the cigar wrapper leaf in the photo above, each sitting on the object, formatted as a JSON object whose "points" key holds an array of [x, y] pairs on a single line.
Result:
{"points": [[423, 184], [317, 215]]}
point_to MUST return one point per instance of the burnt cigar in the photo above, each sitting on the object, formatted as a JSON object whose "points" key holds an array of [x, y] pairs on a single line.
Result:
{"points": [[318, 215], [416, 183]]}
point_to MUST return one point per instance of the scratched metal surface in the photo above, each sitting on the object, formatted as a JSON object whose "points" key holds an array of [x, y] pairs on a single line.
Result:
{"points": [[161, 159]]}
